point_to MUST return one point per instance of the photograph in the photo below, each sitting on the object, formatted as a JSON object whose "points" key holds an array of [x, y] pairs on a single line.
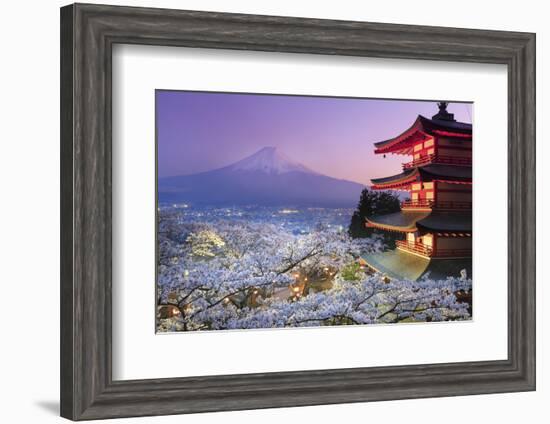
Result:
{"points": [[281, 211]]}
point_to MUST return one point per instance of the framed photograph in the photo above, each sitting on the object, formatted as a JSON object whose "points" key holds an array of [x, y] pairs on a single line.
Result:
{"points": [[264, 212]]}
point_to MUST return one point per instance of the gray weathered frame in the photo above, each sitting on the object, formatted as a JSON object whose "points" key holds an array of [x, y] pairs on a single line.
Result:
{"points": [[88, 33]]}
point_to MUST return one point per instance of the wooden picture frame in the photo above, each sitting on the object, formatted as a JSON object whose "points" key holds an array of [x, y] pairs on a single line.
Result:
{"points": [[88, 33]]}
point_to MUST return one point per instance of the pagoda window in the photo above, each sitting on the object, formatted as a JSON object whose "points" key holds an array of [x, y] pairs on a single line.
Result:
{"points": [[431, 152], [417, 156], [429, 186], [418, 147], [416, 186], [428, 143], [414, 196], [411, 238], [429, 195]]}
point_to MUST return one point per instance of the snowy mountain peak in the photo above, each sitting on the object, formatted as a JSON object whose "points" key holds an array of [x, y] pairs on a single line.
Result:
{"points": [[269, 160], [266, 178]]}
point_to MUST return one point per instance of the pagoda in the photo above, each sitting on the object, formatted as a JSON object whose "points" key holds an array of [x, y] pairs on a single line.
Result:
{"points": [[434, 225]]}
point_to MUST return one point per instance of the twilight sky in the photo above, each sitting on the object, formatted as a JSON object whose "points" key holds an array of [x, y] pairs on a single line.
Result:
{"points": [[200, 131]]}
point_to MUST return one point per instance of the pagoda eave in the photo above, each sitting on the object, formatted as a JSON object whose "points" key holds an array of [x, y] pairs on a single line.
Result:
{"points": [[439, 180], [402, 180], [401, 265], [423, 129], [450, 134], [460, 223], [403, 144], [386, 227], [425, 173], [402, 222], [397, 186]]}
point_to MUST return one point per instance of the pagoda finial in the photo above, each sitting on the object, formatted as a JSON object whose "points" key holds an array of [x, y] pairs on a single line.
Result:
{"points": [[443, 115]]}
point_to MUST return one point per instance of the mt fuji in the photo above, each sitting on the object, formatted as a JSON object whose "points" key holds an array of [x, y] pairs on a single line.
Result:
{"points": [[269, 160], [266, 178]]}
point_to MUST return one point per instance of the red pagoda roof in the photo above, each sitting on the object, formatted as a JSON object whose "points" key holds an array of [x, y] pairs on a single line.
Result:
{"points": [[427, 221], [403, 221], [455, 222], [404, 266], [427, 173], [394, 181], [422, 129]]}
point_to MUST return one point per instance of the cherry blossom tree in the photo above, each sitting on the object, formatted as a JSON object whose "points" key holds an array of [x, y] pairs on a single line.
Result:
{"points": [[228, 275]]}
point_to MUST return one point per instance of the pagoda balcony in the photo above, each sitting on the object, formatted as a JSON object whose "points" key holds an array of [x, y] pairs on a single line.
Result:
{"points": [[440, 204], [429, 252], [417, 204], [414, 247], [439, 159]]}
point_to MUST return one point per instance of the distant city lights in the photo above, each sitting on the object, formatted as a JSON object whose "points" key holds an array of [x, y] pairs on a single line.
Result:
{"points": [[298, 221]]}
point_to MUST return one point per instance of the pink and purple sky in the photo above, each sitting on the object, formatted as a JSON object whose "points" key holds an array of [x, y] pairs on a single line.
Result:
{"points": [[201, 131]]}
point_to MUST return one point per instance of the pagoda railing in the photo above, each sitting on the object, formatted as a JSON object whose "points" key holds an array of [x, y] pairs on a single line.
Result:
{"points": [[414, 247], [440, 204], [420, 203], [440, 159], [428, 251]]}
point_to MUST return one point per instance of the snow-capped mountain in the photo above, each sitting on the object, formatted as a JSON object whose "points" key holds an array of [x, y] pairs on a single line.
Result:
{"points": [[268, 177], [270, 160]]}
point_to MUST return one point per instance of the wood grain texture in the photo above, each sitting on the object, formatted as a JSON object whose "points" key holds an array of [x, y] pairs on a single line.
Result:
{"points": [[88, 33], [66, 211]]}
